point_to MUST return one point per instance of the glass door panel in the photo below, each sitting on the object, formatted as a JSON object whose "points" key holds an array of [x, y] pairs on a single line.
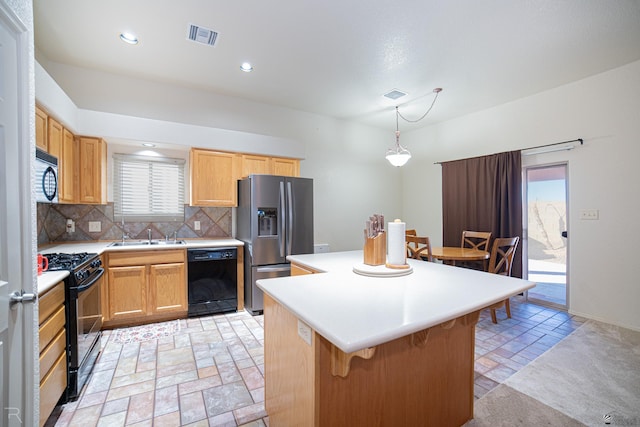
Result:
{"points": [[546, 191]]}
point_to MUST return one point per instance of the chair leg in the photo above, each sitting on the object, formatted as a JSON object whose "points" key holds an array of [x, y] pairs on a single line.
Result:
{"points": [[507, 307], [493, 316]]}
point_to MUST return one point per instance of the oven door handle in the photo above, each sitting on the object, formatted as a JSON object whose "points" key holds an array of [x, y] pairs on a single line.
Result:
{"points": [[94, 278]]}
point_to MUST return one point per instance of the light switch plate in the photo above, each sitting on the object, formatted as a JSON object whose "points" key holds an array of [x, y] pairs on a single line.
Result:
{"points": [[589, 214], [95, 226], [196, 225]]}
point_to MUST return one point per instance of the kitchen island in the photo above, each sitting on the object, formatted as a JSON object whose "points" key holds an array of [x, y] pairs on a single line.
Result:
{"points": [[344, 349]]}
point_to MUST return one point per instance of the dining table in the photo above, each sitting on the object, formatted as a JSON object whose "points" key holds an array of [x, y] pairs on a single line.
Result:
{"points": [[452, 254]]}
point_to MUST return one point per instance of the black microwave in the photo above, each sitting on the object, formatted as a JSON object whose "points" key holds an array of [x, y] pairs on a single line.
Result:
{"points": [[46, 179]]}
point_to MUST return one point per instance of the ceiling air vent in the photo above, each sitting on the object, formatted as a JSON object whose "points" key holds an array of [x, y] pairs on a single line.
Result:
{"points": [[202, 35], [394, 94]]}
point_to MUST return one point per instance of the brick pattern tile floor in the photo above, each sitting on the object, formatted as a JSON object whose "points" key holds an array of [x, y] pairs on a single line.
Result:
{"points": [[211, 372]]}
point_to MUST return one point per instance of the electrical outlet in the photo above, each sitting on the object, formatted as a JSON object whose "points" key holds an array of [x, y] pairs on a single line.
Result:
{"points": [[196, 225], [304, 331], [589, 214], [95, 226]]}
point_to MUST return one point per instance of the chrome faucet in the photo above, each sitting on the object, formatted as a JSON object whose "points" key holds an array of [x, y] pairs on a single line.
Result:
{"points": [[149, 233], [175, 236]]}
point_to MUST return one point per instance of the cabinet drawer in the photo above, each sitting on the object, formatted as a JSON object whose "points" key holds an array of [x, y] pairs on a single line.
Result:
{"points": [[52, 387], [51, 327], [52, 352], [121, 259], [50, 301]]}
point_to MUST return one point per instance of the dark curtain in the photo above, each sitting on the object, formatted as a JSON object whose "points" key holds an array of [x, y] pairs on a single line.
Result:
{"points": [[483, 194]]}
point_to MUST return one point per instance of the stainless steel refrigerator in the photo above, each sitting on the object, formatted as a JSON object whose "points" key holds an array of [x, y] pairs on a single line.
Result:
{"points": [[274, 219]]}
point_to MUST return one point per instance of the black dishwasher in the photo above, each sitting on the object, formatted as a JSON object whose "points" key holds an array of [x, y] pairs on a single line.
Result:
{"points": [[212, 280]]}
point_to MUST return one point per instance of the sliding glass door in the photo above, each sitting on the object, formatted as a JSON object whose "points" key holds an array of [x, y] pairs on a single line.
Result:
{"points": [[546, 235]]}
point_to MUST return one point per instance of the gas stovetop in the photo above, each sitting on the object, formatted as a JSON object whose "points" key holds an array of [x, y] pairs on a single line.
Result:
{"points": [[71, 262]]}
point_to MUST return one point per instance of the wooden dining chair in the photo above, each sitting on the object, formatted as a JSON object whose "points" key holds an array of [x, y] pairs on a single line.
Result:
{"points": [[419, 248], [501, 262], [410, 232], [476, 240]]}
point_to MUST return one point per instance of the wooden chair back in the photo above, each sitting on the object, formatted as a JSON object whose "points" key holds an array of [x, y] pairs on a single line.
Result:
{"points": [[419, 248], [501, 261], [475, 240], [502, 254], [410, 232]]}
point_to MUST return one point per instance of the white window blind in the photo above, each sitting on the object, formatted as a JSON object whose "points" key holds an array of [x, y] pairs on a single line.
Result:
{"points": [[148, 188]]}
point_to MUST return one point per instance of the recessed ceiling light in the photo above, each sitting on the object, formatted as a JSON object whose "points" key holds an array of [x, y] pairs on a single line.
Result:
{"points": [[246, 67], [148, 144], [129, 38]]}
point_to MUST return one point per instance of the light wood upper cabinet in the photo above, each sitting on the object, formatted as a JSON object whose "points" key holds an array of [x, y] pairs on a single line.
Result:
{"points": [[41, 129], [213, 178], [92, 170], [54, 137], [68, 169], [255, 165], [285, 167]]}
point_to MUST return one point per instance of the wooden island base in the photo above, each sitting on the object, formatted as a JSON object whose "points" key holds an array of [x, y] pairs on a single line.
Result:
{"points": [[423, 379]]}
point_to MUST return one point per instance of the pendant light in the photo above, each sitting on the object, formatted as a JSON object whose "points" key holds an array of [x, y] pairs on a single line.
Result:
{"points": [[398, 155]]}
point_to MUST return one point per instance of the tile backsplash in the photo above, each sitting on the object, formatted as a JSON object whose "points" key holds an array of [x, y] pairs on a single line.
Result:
{"points": [[52, 224]]}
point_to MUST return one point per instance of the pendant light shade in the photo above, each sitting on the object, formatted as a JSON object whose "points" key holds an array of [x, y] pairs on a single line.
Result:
{"points": [[398, 155]]}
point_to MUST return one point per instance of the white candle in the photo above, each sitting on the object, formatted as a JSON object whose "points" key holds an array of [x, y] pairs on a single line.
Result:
{"points": [[396, 251]]}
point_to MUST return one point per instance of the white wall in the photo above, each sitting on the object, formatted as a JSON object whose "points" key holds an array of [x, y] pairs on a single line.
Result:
{"points": [[604, 110]]}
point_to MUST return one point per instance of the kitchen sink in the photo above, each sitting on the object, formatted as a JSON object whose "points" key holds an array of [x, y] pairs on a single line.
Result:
{"points": [[148, 243]]}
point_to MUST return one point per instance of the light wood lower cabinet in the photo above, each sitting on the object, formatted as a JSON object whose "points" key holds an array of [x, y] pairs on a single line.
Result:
{"points": [[53, 357], [144, 286], [299, 270]]}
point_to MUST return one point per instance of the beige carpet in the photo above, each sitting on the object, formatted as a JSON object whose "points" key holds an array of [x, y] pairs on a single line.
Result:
{"points": [[592, 378]]}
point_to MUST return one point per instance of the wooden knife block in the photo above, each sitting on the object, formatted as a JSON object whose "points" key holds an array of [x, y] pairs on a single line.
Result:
{"points": [[375, 249]]}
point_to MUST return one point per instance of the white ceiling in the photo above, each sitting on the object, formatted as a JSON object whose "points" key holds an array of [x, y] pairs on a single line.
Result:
{"points": [[337, 58]]}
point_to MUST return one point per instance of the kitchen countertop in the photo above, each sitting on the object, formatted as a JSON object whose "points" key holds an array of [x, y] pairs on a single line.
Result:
{"points": [[354, 312], [49, 278]]}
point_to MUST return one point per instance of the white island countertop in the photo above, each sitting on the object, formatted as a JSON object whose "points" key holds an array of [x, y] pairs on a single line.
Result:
{"points": [[354, 312]]}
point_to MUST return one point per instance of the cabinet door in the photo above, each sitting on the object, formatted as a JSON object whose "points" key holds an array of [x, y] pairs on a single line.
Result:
{"points": [[67, 168], [92, 170], [127, 292], [41, 129], [298, 270], [214, 178], [167, 288], [54, 137], [285, 167], [255, 165]]}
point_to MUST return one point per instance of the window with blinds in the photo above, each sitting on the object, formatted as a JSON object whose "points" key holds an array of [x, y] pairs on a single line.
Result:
{"points": [[148, 188]]}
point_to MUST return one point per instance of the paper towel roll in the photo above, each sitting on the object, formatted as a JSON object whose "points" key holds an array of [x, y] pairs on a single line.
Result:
{"points": [[396, 251]]}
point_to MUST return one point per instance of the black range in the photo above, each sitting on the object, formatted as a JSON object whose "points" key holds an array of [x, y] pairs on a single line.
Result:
{"points": [[83, 314]]}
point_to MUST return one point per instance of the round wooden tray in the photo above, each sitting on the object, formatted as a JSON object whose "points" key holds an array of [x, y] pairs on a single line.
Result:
{"points": [[380, 270]]}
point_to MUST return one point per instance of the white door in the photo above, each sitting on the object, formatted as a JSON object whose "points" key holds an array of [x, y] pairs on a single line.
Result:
{"points": [[17, 338]]}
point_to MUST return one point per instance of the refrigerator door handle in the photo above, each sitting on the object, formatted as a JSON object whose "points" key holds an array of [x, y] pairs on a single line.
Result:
{"points": [[290, 219], [281, 241]]}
